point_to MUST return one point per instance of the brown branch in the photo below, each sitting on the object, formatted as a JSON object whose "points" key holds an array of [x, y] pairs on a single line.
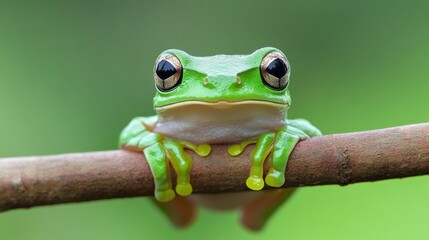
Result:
{"points": [[334, 159]]}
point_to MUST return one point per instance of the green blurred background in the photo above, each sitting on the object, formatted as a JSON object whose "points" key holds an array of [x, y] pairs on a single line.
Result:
{"points": [[72, 74]]}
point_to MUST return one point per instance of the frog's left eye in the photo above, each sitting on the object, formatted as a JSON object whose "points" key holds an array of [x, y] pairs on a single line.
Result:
{"points": [[167, 72], [275, 71]]}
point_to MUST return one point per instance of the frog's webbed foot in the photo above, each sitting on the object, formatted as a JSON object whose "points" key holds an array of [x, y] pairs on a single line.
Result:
{"points": [[160, 152], [275, 147]]}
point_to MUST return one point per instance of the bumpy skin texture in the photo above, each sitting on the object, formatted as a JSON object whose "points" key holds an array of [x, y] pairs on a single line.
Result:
{"points": [[227, 99]]}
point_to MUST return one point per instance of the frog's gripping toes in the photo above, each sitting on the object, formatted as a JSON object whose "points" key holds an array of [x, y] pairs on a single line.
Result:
{"points": [[159, 152], [276, 147]]}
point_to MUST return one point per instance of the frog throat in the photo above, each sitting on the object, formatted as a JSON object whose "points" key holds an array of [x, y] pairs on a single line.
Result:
{"points": [[219, 122]]}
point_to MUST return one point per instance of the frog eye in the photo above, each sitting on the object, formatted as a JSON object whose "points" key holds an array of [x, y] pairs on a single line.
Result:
{"points": [[167, 72], [275, 71]]}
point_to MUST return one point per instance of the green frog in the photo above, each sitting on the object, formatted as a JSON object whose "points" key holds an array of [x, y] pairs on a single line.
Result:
{"points": [[223, 99]]}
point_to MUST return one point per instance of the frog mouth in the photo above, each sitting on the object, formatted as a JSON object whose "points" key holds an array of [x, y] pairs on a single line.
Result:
{"points": [[223, 104]]}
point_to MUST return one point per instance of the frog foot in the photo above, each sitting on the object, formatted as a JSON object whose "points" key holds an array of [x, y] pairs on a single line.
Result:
{"points": [[275, 147], [159, 153]]}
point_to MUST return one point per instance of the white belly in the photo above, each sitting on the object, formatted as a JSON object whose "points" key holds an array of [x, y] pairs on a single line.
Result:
{"points": [[220, 123]]}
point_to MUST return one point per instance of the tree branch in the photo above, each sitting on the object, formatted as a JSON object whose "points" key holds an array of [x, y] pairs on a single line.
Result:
{"points": [[334, 159]]}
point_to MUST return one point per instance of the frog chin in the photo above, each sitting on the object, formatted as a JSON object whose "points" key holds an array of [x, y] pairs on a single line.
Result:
{"points": [[220, 121]]}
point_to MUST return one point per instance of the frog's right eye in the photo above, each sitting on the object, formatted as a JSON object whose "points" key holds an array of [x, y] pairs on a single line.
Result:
{"points": [[167, 72]]}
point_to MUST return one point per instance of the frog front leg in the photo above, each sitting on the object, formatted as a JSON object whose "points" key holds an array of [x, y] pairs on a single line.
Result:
{"points": [[159, 152], [275, 147]]}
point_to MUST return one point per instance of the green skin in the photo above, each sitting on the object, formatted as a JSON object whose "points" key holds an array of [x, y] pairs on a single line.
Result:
{"points": [[210, 80]]}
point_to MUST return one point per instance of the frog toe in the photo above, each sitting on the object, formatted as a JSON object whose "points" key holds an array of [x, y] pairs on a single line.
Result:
{"points": [[235, 150], [182, 164], [203, 150], [156, 158], [275, 178], [165, 195], [283, 147], [258, 156], [184, 189], [255, 183]]}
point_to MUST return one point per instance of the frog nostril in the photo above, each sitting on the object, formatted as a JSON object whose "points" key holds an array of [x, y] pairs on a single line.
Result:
{"points": [[238, 80], [221, 81]]}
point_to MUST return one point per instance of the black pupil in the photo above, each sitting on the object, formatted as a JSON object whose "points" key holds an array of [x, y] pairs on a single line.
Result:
{"points": [[165, 69], [277, 68]]}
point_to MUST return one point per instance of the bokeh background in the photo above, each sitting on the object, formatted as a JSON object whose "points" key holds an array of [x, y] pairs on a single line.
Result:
{"points": [[73, 73]]}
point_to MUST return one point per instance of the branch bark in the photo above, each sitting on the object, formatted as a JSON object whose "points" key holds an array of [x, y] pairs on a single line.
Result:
{"points": [[334, 159]]}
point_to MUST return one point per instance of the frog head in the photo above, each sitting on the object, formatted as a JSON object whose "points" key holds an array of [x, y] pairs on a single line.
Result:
{"points": [[244, 88], [183, 79]]}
